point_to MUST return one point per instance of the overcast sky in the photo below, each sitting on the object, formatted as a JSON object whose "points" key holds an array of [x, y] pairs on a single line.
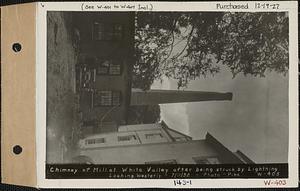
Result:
{"points": [[255, 121]]}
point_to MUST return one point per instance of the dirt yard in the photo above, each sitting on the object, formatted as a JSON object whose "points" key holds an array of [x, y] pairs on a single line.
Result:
{"points": [[61, 111]]}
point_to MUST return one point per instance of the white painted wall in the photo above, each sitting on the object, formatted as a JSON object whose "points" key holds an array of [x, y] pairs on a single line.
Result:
{"points": [[144, 134], [139, 127], [182, 152]]}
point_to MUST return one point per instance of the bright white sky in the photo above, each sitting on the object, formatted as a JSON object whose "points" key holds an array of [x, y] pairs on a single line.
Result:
{"points": [[255, 121]]}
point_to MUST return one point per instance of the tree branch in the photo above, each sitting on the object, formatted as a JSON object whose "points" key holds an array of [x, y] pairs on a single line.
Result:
{"points": [[173, 40], [187, 43]]}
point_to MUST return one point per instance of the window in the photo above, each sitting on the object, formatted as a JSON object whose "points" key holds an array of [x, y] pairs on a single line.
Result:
{"points": [[100, 32], [103, 67], [115, 69], [107, 31], [126, 138], [206, 160], [118, 31], [116, 98], [108, 67], [154, 136], [94, 141], [107, 98], [172, 161], [180, 139]]}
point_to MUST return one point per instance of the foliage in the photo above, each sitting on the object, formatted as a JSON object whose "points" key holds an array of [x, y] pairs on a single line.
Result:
{"points": [[185, 46]]}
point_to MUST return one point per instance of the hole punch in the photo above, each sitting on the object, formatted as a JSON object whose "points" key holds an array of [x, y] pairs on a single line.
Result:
{"points": [[17, 149], [17, 47]]}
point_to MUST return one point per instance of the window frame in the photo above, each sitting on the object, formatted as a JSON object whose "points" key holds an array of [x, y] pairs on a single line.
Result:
{"points": [[148, 135], [111, 98], [131, 137], [109, 31], [111, 63], [95, 141], [180, 139]]}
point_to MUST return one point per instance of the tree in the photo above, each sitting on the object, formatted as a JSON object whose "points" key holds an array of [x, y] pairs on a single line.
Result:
{"points": [[187, 45]]}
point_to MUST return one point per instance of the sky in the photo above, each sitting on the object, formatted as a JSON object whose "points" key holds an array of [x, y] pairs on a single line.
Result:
{"points": [[255, 121]]}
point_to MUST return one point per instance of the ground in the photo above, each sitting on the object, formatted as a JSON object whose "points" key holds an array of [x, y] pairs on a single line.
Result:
{"points": [[61, 97]]}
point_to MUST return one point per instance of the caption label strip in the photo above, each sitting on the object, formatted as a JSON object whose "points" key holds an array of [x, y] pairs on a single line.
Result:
{"points": [[117, 6], [73, 171]]}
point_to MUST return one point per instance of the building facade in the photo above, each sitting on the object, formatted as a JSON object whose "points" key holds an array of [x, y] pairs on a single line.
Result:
{"points": [[104, 73], [106, 56], [155, 144]]}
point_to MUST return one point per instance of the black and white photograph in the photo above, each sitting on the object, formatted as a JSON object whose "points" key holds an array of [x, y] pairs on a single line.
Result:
{"points": [[154, 88]]}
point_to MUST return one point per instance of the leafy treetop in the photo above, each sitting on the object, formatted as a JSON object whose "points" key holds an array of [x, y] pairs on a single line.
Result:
{"points": [[185, 46]]}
